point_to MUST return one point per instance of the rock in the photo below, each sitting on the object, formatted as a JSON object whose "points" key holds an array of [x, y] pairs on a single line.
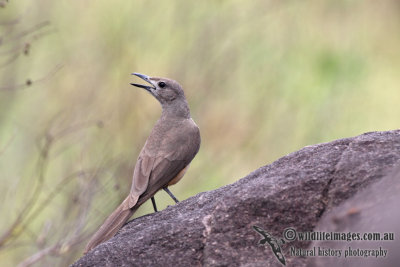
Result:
{"points": [[215, 228], [373, 210]]}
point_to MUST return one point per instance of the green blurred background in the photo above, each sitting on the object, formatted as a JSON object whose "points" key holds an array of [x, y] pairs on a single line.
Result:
{"points": [[263, 79]]}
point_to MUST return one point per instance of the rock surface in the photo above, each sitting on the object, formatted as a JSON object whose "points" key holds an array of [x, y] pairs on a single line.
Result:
{"points": [[215, 228], [373, 210]]}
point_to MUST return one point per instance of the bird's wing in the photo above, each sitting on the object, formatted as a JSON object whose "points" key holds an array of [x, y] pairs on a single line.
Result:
{"points": [[141, 175], [154, 172], [151, 174], [165, 169], [159, 164]]}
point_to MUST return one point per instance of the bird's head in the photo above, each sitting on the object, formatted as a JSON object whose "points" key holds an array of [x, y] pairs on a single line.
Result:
{"points": [[163, 89], [168, 92]]}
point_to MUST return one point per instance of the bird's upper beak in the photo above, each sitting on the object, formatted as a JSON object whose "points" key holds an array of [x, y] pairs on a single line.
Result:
{"points": [[147, 79]]}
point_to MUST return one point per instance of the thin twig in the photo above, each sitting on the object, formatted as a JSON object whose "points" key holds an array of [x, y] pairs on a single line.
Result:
{"points": [[10, 60], [30, 30], [7, 144], [30, 82]]}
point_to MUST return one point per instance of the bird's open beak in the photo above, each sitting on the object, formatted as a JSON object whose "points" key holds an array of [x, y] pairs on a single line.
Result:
{"points": [[147, 79]]}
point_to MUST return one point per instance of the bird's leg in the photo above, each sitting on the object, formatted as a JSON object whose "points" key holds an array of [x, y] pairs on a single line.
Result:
{"points": [[154, 204], [170, 194]]}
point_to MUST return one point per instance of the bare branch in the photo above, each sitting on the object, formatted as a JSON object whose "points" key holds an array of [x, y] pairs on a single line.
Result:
{"points": [[10, 60], [39, 255], [29, 82], [9, 22], [7, 144], [31, 30]]}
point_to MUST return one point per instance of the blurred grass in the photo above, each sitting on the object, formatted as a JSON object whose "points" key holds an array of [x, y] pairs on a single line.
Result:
{"points": [[263, 79]]}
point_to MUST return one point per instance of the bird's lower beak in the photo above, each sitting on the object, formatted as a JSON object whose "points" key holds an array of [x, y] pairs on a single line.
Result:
{"points": [[147, 79]]}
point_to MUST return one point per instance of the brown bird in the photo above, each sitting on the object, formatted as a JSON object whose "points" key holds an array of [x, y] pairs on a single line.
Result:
{"points": [[164, 159]]}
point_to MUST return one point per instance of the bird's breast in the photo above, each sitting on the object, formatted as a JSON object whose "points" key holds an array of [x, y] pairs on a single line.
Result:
{"points": [[172, 135]]}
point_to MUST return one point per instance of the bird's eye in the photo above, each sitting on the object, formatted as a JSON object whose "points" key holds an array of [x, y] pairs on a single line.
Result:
{"points": [[162, 84]]}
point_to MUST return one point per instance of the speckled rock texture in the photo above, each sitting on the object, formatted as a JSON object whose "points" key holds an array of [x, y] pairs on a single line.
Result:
{"points": [[373, 210], [215, 228]]}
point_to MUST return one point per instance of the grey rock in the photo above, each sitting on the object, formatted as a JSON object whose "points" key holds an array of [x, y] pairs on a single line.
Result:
{"points": [[215, 228], [374, 210]]}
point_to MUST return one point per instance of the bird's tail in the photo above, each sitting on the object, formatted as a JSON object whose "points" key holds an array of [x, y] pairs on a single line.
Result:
{"points": [[111, 225]]}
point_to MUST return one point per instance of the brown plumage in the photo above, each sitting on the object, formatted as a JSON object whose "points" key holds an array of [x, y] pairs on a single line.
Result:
{"points": [[165, 157]]}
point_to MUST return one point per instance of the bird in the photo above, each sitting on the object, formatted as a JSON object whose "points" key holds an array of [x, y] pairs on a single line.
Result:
{"points": [[273, 242], [165, 157]]}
